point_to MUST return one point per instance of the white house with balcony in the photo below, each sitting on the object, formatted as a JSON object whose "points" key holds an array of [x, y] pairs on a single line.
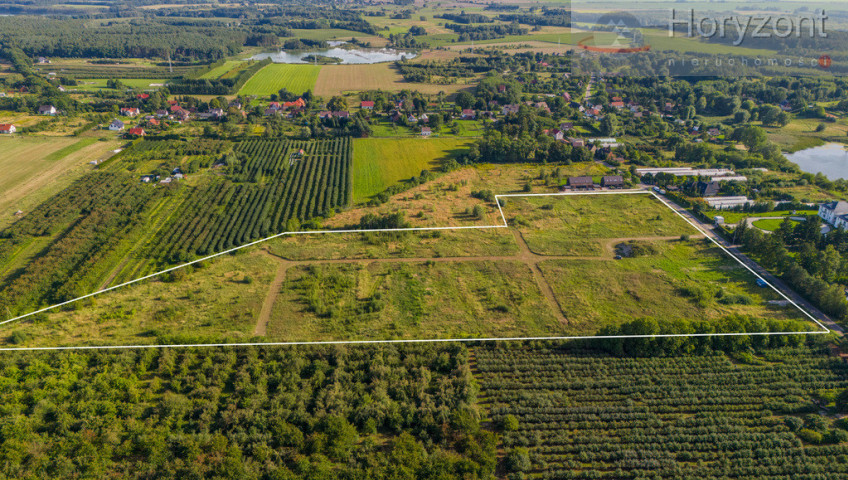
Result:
{"points": [[835, 214]]}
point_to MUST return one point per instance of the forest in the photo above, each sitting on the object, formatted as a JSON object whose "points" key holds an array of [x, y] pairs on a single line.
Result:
{"points": [[278, 413]]}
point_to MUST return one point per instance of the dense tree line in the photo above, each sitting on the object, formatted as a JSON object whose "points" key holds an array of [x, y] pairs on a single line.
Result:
{"points": [[137, 38], [485, 31], [813, 264]]}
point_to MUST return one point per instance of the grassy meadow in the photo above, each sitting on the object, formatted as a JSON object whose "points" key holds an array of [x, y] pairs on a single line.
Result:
{"points": [[410, 300], [676, 280], [582, 225]]}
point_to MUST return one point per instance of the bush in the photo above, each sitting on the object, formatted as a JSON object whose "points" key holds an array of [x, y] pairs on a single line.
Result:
{"points": [[518, 460], [810, 436], [509, 423]]}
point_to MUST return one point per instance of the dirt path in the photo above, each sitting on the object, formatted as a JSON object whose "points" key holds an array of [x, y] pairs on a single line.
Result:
{"points": [[114, 273], [271, 297], [532, 261]]}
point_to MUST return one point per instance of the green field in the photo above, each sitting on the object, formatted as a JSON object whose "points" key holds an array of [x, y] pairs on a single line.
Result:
{"points": [[100, 83], [221, 70], [732, 218], [379, 163], [771, 224], [410, 300], [273, 78], [35, 167], [676, 280], [579, 225]]}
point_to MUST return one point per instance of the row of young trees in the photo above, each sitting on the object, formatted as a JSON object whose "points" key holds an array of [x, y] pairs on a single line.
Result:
{"points": [[82, 224], [269, 187], [568, 411]]}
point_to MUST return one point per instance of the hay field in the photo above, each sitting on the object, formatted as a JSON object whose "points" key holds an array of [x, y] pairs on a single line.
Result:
{"points": [[338, 79]]}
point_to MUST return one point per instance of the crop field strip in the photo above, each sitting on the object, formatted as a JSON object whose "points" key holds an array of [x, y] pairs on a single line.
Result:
{"points": [[591, 415], [296, 78]]}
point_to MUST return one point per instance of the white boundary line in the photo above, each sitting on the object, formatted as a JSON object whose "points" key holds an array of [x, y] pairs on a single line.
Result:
{"points": [[414, 229]]}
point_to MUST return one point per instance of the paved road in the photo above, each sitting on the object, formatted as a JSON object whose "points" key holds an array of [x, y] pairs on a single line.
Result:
{"points": [[782, 287]]}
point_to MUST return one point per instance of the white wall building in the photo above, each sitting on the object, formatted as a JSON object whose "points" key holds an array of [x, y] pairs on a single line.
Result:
{"points": [[835, 213]]}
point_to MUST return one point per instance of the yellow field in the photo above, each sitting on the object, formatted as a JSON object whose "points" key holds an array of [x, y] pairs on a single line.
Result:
{"points": [[36, 167], [338, 79]]}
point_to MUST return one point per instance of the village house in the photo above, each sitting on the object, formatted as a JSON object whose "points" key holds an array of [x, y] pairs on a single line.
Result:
{"points": [[47, 110], [835, 214], [577, 142], [7, 128], [116, 125], [161, 113], [612, 181], [584, 182], [425, 131], [708, 189], [143, 96], [510, 109], [182, 115], [136, 131], [367, 105], [542, 106], [566, 126], [129, 112], [468, 114]]}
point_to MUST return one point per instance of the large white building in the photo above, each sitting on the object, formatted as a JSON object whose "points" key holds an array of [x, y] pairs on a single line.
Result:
{"points": [[835, 213], [722, 203]]}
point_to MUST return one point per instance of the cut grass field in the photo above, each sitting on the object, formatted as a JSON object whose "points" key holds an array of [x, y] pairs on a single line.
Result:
{"points": [[339, 79], [381, 162], [276, 76], [100, 83], [220, 302], [771, 224], [36, 167]]}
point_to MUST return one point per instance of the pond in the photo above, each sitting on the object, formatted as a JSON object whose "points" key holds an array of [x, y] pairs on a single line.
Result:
{"points": [[347, 55], [830, 159]]}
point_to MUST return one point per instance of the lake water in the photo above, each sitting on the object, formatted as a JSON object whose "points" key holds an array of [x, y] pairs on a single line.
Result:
{"points": [[348, 55], [830, 159]]}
